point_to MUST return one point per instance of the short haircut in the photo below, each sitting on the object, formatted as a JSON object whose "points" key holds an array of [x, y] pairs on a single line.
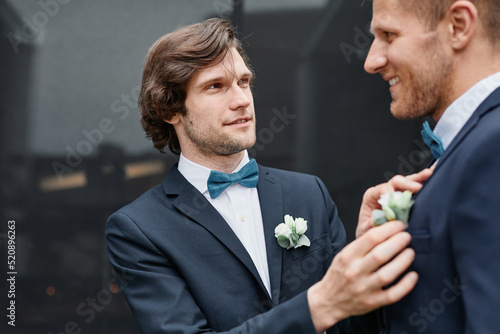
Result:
{"points": [[432, 11], [170, 64]]}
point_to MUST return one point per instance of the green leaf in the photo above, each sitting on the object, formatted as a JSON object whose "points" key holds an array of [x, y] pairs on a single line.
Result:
{"points": [[379, 217], [402, 215], [284, 241], [303, 241]]}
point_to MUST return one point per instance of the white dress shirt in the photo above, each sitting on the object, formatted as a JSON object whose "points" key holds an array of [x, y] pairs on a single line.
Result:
{"points": [[459, 112], [240, 208]]}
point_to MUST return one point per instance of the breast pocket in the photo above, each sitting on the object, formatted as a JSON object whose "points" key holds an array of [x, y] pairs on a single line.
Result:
{"points": [[421, 241], [304, 266], [317, 244]]}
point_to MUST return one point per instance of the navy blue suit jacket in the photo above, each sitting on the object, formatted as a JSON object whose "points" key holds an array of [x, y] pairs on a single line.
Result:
{"points": [[455, 227], [189, 273]]}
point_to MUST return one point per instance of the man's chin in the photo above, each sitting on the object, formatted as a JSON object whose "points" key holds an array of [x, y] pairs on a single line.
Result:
{"points": [[396, 112], [403, 113], [399, 115], [236, 148], [248, 143]]}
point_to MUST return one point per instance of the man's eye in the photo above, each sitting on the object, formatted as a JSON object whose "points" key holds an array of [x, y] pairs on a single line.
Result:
{"points": [[388, 35], [244, 82], [214, 86]]}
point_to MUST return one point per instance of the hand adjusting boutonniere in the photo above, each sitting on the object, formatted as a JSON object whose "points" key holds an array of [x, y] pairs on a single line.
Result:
{"points": [[290, 234], [396, 205]]}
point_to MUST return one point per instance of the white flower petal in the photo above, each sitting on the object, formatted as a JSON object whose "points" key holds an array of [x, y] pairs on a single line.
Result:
{"points": [[289, 221], [300, 226], [282, 229], [384, 199], [379, 217]]}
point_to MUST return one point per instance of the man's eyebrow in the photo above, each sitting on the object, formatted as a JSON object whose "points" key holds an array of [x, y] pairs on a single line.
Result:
{"points": [[210, 81], [377, 29], [207, 82]]}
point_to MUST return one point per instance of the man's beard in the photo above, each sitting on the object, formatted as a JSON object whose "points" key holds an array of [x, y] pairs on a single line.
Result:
{"points": [[220, 144], [429, 92]]}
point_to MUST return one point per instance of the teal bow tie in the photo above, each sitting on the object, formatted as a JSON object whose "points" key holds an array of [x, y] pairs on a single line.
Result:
{"points": [[433, 141], [247, 176]]}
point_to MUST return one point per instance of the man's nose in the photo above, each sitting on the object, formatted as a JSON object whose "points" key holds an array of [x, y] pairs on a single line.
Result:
{"points": [[376, 59], [241, 97]]}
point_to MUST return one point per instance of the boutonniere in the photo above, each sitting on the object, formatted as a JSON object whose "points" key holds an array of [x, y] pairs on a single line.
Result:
{"points": [[290, 234], [396, 205]]}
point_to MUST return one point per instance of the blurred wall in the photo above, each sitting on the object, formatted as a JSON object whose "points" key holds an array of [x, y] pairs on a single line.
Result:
{"points": [[72, 149]]}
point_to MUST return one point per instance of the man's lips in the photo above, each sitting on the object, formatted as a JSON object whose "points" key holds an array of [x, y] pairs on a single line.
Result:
{"points": [[242, 121], [393, 81]]}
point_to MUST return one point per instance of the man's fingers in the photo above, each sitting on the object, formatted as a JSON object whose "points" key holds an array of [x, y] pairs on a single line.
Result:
{"points": [[396, 292], [422, 175], [389, 272], [385, 251], [402, 183], [373, 194], [361, 246], [365, 226], [412, 182]]}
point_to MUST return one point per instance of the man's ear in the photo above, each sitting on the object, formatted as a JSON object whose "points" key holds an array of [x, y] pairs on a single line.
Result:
{"points": [[462, 18], [173, 120]]}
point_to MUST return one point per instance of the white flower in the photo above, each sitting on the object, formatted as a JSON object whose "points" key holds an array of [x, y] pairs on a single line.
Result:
{"points": [[290, 234], [289, 221], [282, 229], [396, 205], [300, 226]]}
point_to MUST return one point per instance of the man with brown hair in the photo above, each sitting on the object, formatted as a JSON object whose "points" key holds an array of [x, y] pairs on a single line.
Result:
{"points": [[203, 248], [441, 59]]}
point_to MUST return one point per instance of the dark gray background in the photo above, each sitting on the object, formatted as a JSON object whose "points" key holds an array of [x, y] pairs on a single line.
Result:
{"points": [[70, 70]]}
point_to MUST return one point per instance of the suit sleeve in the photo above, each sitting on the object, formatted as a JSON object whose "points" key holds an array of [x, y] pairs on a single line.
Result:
{"points": [[337, 230], [354, 325], [161, 300], [475, 231], [338, 241]]}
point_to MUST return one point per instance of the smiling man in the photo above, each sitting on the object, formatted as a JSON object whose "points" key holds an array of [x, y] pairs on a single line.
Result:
{"points": [[441, 59], [200, 249]]}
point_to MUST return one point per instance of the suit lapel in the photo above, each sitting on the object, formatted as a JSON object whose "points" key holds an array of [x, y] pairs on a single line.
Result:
{"points": [[194, 205], [271, 206], [492, 101]]}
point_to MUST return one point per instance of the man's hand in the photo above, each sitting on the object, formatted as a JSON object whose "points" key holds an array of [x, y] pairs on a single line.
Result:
{"points": [[412, 183], [353, 284]]}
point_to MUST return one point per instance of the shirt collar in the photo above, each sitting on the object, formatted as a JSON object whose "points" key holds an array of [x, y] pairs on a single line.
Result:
{"points": [[459, 112], [198, 175]]}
